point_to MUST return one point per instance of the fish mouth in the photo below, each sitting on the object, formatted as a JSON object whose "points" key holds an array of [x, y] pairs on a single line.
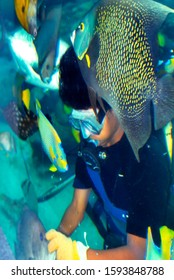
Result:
{"points": [[33, 31]]}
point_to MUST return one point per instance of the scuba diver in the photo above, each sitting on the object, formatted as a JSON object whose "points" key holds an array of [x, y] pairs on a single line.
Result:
{"points": [[134, 194]]}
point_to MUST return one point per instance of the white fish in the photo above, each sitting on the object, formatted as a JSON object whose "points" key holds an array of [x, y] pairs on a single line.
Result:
{"points": [[26, 59]]}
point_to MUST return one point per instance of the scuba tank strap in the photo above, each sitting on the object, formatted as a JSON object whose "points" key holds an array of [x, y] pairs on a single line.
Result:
{"points": [[109, 207]]}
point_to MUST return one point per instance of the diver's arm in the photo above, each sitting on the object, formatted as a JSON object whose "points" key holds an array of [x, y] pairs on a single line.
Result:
{"points": [[134, 250], [75, 212], [68, 249]]}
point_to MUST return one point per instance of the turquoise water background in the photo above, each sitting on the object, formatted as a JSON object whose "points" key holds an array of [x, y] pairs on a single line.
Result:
{"points": [[24, 168], [24, 172]]}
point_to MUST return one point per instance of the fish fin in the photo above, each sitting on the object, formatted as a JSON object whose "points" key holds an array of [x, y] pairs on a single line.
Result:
{"points": [[52, 168], [100, 101], [149, 243], [166, 236], [93, 99], [26, 98], [164, 106], [139, 126], [152, 252], [38, 104], [5, 249], [88, 61]]}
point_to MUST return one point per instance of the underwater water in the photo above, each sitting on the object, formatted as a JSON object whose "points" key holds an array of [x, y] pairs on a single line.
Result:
{"points": [[25, 176]]}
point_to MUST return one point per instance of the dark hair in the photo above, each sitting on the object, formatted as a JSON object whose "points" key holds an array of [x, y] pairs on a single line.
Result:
{"points": [[72, 87]]}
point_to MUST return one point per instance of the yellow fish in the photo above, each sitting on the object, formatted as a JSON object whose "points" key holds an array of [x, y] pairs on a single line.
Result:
{"points": [[167, 244], [51, 142], [26, 11]]}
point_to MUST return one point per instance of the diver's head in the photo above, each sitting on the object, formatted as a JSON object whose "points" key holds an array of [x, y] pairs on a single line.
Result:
{"points": [[74, 93], [72, 88], [86, 122]]}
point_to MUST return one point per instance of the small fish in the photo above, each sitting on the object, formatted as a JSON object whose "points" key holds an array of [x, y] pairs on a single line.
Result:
{"points": [[51, 142], [22, 121], [165, 251], [7, 142], [26, 59], [31, 243], [118, 49], [26, 11], [47, 40], [22, 47]]}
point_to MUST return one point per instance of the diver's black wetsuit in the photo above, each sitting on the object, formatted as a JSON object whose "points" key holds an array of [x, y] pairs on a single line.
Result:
{"points": [[140, 188]]}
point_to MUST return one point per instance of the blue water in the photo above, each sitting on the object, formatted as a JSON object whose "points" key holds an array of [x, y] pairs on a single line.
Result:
{"points": [[25, 160]]}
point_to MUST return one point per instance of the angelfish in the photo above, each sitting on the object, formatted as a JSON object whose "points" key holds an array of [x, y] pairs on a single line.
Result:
{"points": [[118, 51], [51, 142], [26, 11]]}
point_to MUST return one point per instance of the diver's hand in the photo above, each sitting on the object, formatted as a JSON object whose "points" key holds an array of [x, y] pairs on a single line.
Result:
{"points": [[65, 248]]}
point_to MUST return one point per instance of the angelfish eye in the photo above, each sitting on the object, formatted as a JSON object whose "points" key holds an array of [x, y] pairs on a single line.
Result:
{"points": [[81, 26]]}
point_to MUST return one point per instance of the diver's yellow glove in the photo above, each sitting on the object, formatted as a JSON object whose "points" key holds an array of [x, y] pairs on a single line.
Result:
{"points": [[65, 247]]}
